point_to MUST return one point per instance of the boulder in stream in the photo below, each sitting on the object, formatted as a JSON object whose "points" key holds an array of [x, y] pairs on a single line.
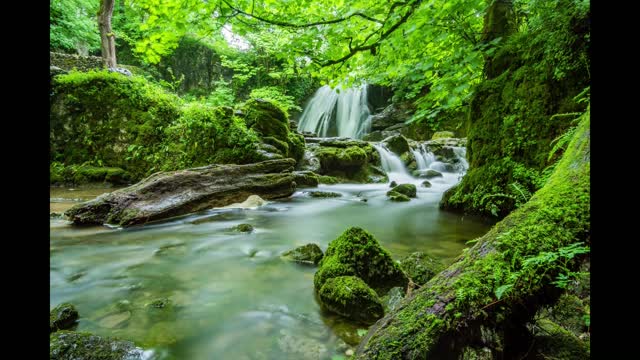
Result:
{"points": [[71, 345], [396, 196], [169, 194], [405, 189], [62, 317], [351, 297], [310, 254]]}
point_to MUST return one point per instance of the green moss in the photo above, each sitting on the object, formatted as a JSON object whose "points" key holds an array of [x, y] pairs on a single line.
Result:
{"points": [[396, 196], [305, 254], [67, 345], [421, 267], [62, 317], [324, 194], [332, 158], [266, 118], [245, 228], [554, 342], [330, 180], [555, 217], [282, 146], [296, 146], [510, 130], [357, 252], [405, 189], [442, 135], [351, 297]]}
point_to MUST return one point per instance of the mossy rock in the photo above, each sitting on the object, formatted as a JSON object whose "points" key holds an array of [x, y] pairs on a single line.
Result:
{"points": [[243, 228], [430, 174], [553, 342], [334, 158], [396, 196], [324, 194], [357, 252], [425, 184], [397, 144], [442, 135], [405, 189], [309, 254], [421, 267], [569, 312], [71, 345], [266, 118], [393, 184], [62, 317], [329, 180], [306, 178], [352, 298], [296, 146]]}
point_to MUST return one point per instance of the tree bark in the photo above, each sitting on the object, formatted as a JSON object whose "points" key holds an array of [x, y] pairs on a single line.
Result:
{"points": [[107, 38], [455, 308]]}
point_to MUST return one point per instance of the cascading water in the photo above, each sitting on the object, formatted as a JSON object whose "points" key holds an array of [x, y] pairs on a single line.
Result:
{"points": [[393, 165], [423, 157], [337, 112]]}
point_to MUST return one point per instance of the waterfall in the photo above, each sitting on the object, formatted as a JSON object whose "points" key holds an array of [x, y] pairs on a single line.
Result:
{"points": [[393, 165], [423, 157], [337, 112]]}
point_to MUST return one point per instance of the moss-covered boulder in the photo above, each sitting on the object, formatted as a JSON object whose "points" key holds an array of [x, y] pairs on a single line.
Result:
{"points": [[60, 174], [421, 267], [396, 196], [306, 178], [348, 160], [70, 345], [351, 297], [271, 123], [62, 317], [310, 254], [341, 158], [430, 174], [323, 194], [357, 252], [425, 184], [397, 144], [405, 189], [551, 341], [243, 228]]}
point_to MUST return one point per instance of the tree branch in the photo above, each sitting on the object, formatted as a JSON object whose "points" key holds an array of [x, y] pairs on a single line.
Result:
{"points": [[288, 24]]}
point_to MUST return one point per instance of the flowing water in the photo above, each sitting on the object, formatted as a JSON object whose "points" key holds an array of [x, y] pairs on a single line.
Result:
{"points": [[337, 112], [230, 295]]}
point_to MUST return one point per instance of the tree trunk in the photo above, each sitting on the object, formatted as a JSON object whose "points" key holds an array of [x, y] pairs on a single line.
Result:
{"points": [[499, 22], [459, 306], [107, 38]]}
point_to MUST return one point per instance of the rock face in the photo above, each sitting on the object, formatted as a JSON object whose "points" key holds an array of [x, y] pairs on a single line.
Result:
{"points": [[62, 317], [310, 254], [356, 252], [351, 297], [69, 345], [169, 194], [421, 267]]}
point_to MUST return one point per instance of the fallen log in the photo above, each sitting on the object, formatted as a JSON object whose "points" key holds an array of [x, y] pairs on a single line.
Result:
{"points": [[169, 194], [496, 284]]}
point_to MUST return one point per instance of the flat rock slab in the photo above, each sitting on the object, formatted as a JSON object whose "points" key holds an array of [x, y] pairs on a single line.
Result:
{"points": [[168, 194]]}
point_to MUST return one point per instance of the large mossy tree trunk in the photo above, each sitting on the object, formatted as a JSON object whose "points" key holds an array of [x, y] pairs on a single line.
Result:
{"points": [[499, 22], [457, 307], [107, 38]]}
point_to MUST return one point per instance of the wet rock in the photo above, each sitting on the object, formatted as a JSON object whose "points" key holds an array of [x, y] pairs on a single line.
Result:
{"points": [[421, 267], [310, 254], [115, 320], [396, 196], [342, 142], [62, 317], [393, 184], [430, 174], [160, 303], [352, 298], [70, 345], [169, 194], [426, 184], [357, 252], [55, 215], [120, 70], [253, 201], [244, 228], [554, 342], [306, 178], [397, 144], [405, 189], [323, 194], [301, 347]]}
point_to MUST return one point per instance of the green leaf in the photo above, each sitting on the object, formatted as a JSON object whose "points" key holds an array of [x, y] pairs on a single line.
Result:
{"points": [[502, 289]]}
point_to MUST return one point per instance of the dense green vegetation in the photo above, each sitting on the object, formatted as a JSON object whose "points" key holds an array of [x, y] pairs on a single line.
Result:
{"points": [[223, 82]]}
